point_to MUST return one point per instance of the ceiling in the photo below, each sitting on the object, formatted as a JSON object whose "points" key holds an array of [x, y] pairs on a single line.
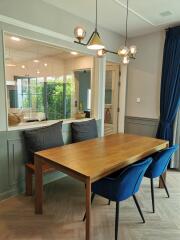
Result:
{"points": [[144, 16], [27, 50]]}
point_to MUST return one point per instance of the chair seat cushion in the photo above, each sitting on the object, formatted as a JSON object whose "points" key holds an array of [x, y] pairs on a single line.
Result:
{"points": [[82, 131], [43, 138]]}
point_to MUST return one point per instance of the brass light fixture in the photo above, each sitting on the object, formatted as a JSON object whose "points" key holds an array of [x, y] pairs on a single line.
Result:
{"points": [[94, 42], [126, 53]]}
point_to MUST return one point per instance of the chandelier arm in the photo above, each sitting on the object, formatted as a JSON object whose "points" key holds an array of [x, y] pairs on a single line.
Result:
{"points": [[85, 44], [80, 43], [109, 51]]}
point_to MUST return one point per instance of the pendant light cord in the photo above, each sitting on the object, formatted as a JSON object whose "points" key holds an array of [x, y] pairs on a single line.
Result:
{"points": [[96, 16], [127, 13]]}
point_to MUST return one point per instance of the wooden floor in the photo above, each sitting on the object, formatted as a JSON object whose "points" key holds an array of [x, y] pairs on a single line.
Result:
{"points": [[64, 209]]}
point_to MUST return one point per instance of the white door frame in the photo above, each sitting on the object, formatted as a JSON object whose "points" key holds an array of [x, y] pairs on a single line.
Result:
{"points": [[115, 68]]}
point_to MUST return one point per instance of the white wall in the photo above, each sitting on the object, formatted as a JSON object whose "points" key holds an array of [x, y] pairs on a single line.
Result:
{"points": [[43, 15], [144, 76], [55, 67], [79, 63], [39, 21]]}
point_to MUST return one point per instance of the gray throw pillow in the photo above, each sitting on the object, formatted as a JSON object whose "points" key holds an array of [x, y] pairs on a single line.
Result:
{"points": [[43, 138], [82, 131]]}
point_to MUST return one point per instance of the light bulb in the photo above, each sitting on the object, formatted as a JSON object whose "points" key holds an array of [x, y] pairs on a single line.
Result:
{"points": [[133, 50], [123, 51], [23, 66], [79, 33], [101, 53], [125, 60]]}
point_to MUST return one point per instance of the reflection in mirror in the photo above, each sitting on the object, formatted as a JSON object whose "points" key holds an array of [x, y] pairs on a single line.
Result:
{"points": [[45, 82]]}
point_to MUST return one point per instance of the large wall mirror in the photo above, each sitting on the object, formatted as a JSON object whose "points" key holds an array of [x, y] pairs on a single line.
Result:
{"points": [[45, 82]]}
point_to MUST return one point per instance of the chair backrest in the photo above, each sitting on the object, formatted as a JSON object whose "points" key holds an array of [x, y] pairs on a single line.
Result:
{"points": [[128, 182], [160, 162], [85, 130]]}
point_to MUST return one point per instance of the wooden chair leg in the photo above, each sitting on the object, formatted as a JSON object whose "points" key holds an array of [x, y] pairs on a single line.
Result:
{"points": [[29, 179]]}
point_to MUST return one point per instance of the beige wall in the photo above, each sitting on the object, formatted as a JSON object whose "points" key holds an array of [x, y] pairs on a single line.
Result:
{"points": [[84, 62], [144, 76], [56, 67]]}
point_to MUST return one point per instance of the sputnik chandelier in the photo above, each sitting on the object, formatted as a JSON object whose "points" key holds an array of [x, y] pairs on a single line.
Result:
{"points": [[95, 42]]}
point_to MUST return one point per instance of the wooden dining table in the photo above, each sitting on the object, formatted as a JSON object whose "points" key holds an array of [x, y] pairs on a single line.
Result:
{"points": [[91, 160]]}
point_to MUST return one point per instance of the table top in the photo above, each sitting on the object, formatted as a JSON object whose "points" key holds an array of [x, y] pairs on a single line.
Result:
{"points": [[99, 157]]}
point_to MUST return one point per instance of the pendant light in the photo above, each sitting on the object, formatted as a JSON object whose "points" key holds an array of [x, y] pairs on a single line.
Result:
{"points": [[127, 52], [94, 42]]}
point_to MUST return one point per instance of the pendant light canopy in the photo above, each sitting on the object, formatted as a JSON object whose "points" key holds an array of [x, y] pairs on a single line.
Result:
{"points": [[95, 41]]}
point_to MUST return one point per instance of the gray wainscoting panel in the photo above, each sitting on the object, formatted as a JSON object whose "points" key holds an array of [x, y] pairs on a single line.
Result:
{"points": [[141, 126], [13, 156]]}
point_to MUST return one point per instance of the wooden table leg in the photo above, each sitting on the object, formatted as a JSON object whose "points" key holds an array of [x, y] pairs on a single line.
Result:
{"points": [[160, 182], [38, 186], [88, 209]]}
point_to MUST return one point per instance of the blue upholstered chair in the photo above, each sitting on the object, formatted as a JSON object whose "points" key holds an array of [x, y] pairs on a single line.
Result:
{"points": [[122, 185], [158, 167]]}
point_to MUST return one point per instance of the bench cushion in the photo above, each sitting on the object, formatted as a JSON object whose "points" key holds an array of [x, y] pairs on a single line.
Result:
{"points": [[43, 138], [82, 131]]}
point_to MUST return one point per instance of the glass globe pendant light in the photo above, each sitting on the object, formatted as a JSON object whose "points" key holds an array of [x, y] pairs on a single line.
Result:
{"points": [[94, 42], [125, 52], [79, 33]]}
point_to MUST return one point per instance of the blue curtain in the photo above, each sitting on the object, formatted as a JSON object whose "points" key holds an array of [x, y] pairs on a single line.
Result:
{"points": [[170, 84]]}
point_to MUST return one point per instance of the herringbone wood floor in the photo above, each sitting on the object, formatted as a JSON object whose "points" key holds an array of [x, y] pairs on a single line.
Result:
{"points": [[64, 208]]}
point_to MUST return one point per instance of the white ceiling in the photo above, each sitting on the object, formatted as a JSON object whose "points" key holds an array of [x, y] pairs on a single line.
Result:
{"points": [[145, 16], [26, 50]]}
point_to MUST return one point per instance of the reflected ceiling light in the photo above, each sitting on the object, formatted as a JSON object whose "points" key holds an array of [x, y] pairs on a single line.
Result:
{"points": [[94, 42], [74, 53], [45, 64], [36, 61], [38, 72], [10, 65], [23, 66], [15, 39]]}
